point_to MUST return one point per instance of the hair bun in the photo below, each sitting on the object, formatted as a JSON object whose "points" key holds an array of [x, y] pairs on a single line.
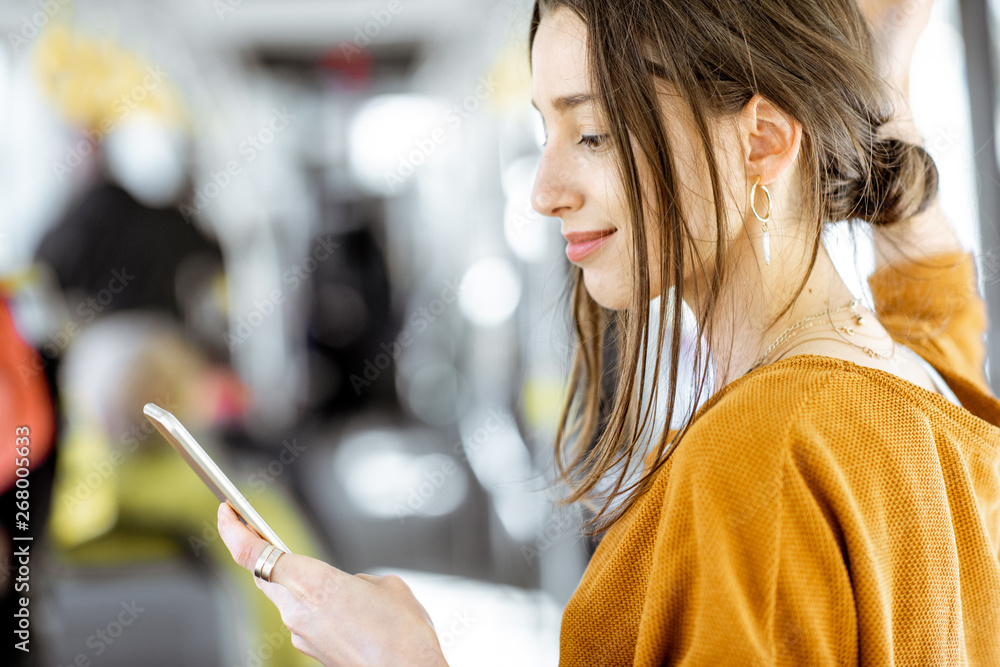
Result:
{"points": [[902, 182]]}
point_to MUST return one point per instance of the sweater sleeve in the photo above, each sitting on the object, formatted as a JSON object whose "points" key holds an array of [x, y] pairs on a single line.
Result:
{"points": [[933, 305], [748, 564]]}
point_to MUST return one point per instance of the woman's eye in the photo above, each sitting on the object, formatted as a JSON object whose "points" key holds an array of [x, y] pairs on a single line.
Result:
{"points": [[594, 140]]}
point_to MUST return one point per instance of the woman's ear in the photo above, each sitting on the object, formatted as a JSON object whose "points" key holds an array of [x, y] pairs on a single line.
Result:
{"points": [[769, 138]]}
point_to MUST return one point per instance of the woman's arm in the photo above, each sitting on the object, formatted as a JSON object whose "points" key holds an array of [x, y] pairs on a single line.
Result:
{"points": [[342, 620], [924, 285], [897, 25]]}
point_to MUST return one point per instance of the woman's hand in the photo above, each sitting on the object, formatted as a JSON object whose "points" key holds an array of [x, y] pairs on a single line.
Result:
{"points": [[897, 25], [340, 619], [897, 14]]}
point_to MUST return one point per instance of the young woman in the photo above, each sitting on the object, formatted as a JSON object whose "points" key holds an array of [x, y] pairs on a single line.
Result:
{"points": [[837, 500]]}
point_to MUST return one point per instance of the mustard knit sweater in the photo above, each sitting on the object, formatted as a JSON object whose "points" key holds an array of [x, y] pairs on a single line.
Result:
{"points": [[819, 512]]}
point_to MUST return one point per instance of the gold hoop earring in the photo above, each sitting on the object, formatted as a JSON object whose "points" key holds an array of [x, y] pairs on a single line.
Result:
{"points": [[753, 207]]}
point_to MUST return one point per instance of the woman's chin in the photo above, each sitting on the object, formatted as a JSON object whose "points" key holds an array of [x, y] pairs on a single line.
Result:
{"points": [[609, 293]]}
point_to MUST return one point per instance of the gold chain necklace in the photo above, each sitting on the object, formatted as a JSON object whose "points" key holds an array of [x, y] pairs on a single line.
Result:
{"points": [[850, 332], [813, 320]]}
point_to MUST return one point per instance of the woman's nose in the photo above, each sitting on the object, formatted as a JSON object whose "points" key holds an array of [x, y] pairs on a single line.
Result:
{"points": [[554, 192]]}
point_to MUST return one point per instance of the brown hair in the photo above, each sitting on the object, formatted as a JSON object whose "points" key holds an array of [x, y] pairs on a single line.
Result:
{"points": [[815, 61]]}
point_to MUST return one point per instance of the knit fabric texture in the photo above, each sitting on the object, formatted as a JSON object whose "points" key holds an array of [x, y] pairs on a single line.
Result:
{"points": [[819, 512]]}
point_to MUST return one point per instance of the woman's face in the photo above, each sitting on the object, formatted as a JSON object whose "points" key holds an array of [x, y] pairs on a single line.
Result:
{"points": [[577, 178]]}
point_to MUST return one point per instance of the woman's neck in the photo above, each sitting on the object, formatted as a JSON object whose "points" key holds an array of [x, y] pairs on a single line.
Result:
{"points": [[755, 294]]}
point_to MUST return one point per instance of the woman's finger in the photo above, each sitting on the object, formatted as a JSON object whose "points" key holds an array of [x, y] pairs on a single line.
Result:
{"points": [[278, 594], [310, 581], [244, 544]]}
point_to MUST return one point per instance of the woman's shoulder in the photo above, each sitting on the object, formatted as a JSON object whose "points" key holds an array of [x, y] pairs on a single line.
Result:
{"points": [[798, 404], [797, 387]]}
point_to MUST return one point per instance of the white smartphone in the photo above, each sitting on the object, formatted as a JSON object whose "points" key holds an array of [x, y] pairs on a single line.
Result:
{"points": [[175, 433]]}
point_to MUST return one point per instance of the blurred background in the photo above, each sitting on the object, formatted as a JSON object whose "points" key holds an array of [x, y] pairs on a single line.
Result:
{"points": [[304, 228]]}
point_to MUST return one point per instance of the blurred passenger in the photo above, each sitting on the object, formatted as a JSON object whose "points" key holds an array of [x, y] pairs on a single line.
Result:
{"points": [[123, 244], [121, 489], [27, 407], [350, 317], [145, 293]]}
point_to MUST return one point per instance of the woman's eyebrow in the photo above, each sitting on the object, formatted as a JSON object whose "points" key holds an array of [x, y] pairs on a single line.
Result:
{"points": [[567, 102]]}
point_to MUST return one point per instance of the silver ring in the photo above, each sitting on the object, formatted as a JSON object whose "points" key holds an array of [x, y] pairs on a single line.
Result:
{"points": [[272, 558], [264, 555]]}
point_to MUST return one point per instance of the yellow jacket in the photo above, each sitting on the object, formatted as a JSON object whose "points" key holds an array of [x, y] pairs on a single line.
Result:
{"points": [[819, 512]]}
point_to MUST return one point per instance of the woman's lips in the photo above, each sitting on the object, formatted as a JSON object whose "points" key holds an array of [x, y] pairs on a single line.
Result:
{"points": [[582, 244]]}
